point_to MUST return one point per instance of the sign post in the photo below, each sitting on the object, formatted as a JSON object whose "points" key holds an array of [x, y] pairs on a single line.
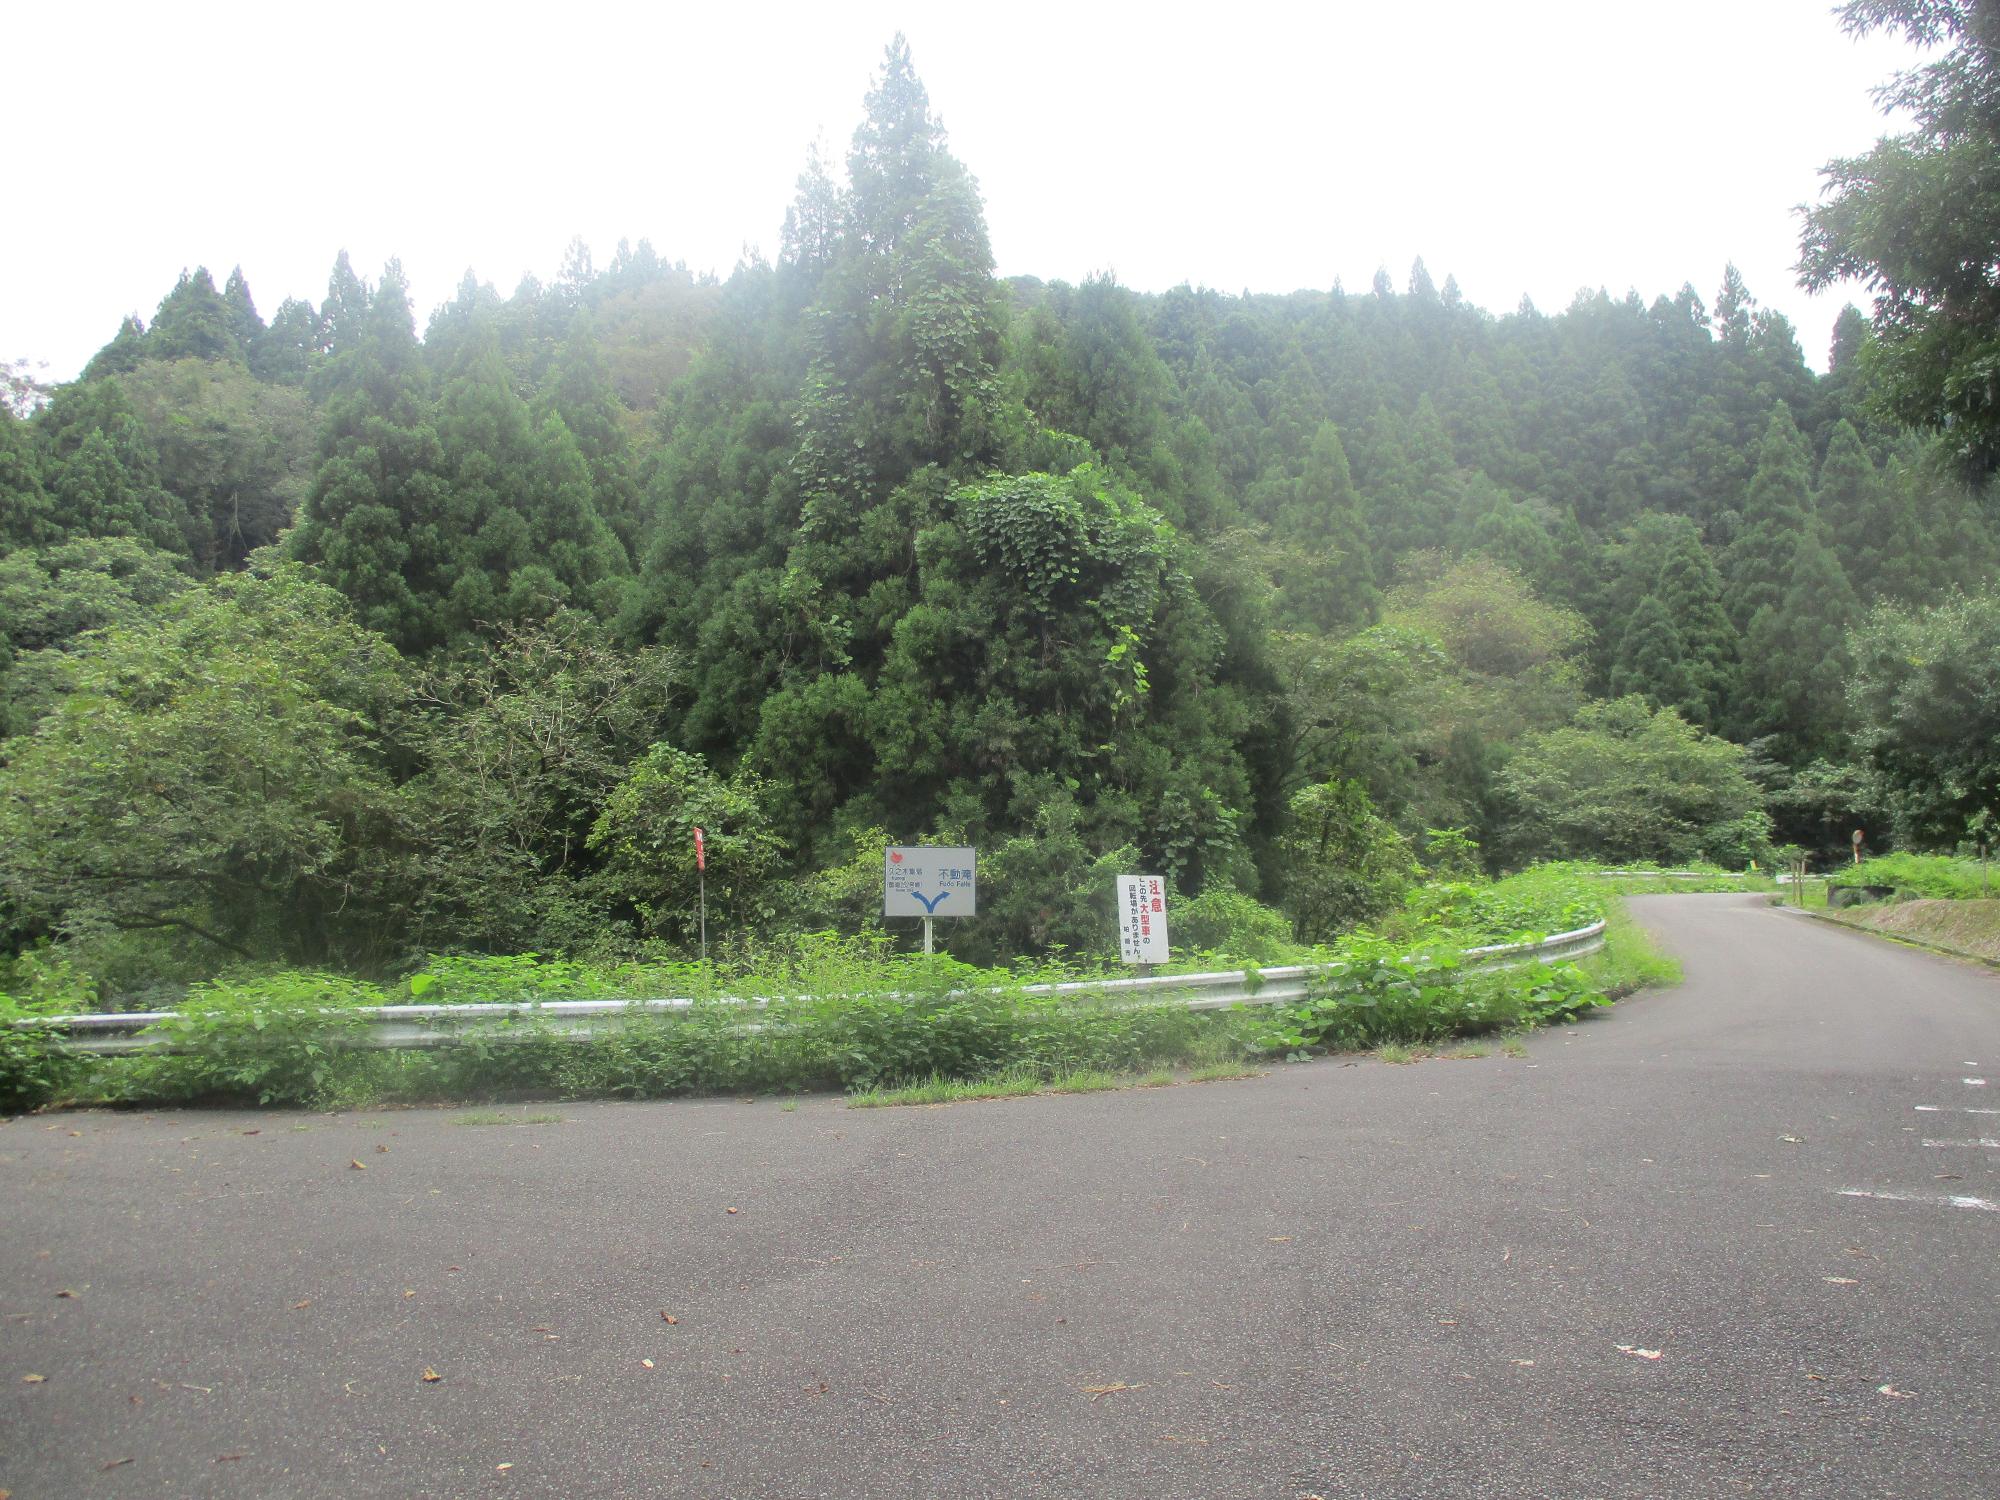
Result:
{"points": [[701, 875], [1857, 846], [930, 882], [1142, 920]]}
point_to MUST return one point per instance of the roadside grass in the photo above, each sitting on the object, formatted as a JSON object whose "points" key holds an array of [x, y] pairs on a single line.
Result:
{"points": [[935, 1090], [1937, 877], [1022, 1083], [1813, 894], [1391, 1052], [1513, 1046], [1962, 928], [1015, 1083], [1644, 880], [1630, 960], [1216, 1072], [501, 1117], [820, 1014]]}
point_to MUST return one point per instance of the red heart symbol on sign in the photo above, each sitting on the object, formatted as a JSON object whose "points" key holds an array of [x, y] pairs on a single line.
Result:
{"points": [[895, 857]]}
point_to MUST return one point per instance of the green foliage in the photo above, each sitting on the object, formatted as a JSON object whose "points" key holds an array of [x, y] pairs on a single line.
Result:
{"points": [[1795, 663], [214, 773], [1045, 892], [931, 1028], [826, 1013], [1777, 517], [237, 452], [1056, 647], [1626, 782], [1652, 658], [1327, 582], [933, 553], [100, 473], [1914, 876], [1629, 960], [34, 1070], [1225, 921], [1924, 702], [51, 596], [271, 1041], [1476, 914], [1374, 994], [1821, 803], [377, 519], [521, 744], [1648, 878], [1342, 864], [194, 322], [645, 835], [1451, 854], [1915, 219], [904, 333], [1486, 618]]}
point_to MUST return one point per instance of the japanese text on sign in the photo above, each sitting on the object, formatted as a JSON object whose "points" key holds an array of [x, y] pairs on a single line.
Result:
{"points": [[1142, 919], [929, 882]]}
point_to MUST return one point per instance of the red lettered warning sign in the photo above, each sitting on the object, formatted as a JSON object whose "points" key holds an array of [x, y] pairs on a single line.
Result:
{"points": [[700, 851], [1142, 919]]}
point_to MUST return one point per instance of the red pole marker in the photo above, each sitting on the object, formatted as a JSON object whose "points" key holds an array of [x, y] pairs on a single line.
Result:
{"points": [[700, 851]]}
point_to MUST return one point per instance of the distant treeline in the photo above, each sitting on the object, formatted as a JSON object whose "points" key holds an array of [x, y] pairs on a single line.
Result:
{"points": [[326, 643]]}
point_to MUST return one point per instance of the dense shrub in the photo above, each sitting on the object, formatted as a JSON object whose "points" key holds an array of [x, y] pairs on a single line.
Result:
{"points": [[1224, 920], [818, 1011], [1535, 903], [1343, 864], [1375, 995], [1912, 876], [33, 1069], [1626, 782]]}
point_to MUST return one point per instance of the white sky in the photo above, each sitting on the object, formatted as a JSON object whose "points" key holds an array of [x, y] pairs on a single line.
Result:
{"points": [[1532, 147]]}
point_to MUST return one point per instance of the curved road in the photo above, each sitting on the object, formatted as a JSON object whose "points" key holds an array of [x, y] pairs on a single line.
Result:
{"points": [[1339, 1279]]}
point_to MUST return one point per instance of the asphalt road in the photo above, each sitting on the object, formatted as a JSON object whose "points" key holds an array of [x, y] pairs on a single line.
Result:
{"points": [[1340, 1279]]}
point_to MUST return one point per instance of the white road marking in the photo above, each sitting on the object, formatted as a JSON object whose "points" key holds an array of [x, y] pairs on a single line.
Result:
{"points": [[1956, 1200], [1985, 1142], [1974, 1083], [1957, 1109]]}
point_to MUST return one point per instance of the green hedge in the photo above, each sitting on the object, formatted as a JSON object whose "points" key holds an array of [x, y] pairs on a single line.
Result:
{"points": [[1912, 876]]}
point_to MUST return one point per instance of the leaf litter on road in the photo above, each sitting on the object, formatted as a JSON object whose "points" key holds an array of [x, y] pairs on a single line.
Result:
{"points": [[1099, 1392]]}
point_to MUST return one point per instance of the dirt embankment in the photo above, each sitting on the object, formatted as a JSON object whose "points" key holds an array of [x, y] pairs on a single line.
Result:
{"points": [[1969, 927]]}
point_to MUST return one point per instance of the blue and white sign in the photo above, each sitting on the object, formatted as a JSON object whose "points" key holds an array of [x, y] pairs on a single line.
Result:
{"points": [[929, 882]]}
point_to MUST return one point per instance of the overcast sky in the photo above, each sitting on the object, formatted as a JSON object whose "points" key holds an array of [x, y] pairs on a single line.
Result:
{"points": [[1535, 148]]}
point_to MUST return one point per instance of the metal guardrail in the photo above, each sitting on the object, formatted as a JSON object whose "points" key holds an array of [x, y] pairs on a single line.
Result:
{"points": [[419, 1026], [1665, 875]]}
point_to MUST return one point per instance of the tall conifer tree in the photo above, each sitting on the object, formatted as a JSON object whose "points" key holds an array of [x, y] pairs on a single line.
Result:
{"points": [[1691, 590], [1796, 661], [1775, 513], [377, 519]]}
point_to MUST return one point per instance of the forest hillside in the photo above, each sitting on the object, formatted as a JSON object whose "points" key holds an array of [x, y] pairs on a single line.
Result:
{"points": [[329, 641]]}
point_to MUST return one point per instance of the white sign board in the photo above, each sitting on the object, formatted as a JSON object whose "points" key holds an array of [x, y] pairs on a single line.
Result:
{"points": [[1142, 919], [929, 882]]}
